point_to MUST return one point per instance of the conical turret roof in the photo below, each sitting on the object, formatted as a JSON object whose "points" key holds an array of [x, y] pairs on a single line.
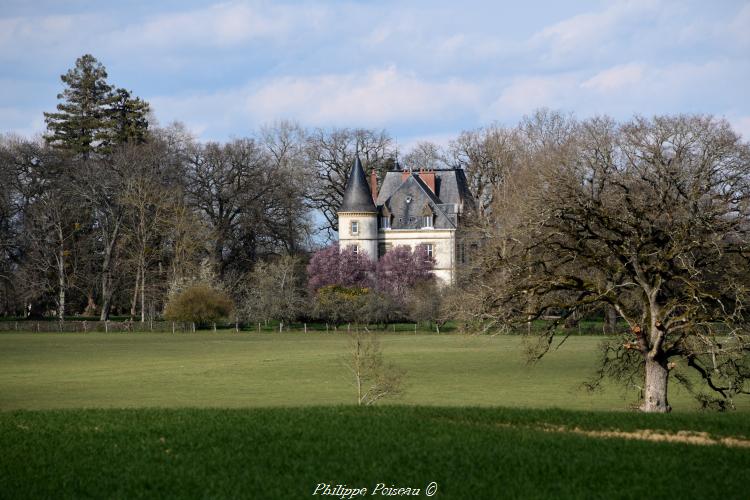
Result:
{"points": [[357, 196]]}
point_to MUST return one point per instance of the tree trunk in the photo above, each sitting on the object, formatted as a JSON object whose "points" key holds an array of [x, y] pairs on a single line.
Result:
{"points": [[134, 302], [610, 320], [61, 284], [107, 264], [61, 276], [655, 391], [106, 293], [142, 265]]}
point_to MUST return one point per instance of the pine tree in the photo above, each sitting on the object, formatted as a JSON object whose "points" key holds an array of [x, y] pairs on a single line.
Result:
{"points": [[80, 125], [94, 117], [128, 121]]}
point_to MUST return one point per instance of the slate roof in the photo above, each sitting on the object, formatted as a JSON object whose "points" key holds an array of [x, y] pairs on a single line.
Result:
{"points": [[406, 199], [451, 186], [357, 196]]}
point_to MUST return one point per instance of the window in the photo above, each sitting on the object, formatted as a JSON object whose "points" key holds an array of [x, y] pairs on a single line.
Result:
{"points": [[427, 221], [355, 227], [430, 249], [385, 222], [355, 249]]}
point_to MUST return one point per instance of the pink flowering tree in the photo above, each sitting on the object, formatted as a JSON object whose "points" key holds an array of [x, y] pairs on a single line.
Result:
{"points": [[399, 270], [332, 266]]}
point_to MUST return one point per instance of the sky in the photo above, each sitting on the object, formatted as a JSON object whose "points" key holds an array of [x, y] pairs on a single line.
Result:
{"points": [[422, 70]]}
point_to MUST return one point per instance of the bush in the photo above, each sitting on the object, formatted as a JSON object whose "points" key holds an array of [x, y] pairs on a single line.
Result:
{"points": [[199, 304], [340, 304]]}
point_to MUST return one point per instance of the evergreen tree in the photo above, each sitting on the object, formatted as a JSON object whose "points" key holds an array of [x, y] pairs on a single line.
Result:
{"points": [[94, 117], [127, 119], [80, 125]]}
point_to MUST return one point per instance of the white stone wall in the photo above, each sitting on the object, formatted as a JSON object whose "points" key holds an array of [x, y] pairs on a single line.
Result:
{"points": [[367, 236], [443, 241]]}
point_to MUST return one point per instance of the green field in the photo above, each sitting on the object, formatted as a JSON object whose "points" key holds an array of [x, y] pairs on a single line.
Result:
{"points": [[231, 370], [286, 452], [249, 415]]}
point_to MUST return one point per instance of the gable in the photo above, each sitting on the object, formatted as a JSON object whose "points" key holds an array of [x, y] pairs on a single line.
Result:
{"points": [[410, 202]]}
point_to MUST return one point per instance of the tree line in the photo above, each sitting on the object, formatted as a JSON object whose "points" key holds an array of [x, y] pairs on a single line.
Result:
{"points": [[645, 223], [109, 214]]}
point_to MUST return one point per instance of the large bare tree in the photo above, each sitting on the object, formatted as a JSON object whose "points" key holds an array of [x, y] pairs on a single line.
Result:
{"points": [[651, 217], [330, 157]]}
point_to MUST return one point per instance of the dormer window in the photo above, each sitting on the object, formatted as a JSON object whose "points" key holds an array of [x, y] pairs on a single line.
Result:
{"points": [[354, 227], [427, 217], [385, 218]]}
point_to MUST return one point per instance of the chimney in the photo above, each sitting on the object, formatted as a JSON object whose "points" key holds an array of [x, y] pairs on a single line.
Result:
{"points": [[428, 177], [374, 185]]}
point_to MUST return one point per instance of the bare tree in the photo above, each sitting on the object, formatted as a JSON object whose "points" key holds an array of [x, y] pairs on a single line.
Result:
{"points": [[248, 200], [51, 225], [149, 200], [426, 155], [651, 217], [98, 183], [276, 290], [374, 379], [330, 157], [490, 156]]}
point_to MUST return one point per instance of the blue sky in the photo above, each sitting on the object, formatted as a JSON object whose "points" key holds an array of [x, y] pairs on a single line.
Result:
{"points": [[423, 70]]}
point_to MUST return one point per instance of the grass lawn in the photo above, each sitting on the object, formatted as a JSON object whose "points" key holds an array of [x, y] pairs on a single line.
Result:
{"points": [[261, 415], [286, 452], [231, 370]]}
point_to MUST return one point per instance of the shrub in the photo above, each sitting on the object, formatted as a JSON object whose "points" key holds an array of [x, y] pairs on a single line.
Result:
{"points": [[199, 304]]}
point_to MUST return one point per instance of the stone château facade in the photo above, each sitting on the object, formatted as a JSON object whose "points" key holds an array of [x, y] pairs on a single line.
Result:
{"points": [[409, 208]]}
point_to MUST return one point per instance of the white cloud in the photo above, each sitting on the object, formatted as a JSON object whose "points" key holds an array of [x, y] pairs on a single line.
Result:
{"points": [[22, 36], [379, 97], [587, 33], [524, 94], [616, 78], [220, 25], [442, 140]]}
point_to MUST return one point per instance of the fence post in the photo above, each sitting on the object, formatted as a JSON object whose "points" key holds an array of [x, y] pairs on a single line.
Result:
{"points": [[258, 326], [37, 327], [106, 326], [415, 328], [305, 327]]}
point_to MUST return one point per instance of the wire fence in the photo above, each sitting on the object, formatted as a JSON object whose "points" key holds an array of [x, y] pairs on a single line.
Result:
{"points": [[162, 326]]}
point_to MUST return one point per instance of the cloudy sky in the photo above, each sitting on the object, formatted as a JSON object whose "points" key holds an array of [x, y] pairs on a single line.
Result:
{"points": [[423, 70]]}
